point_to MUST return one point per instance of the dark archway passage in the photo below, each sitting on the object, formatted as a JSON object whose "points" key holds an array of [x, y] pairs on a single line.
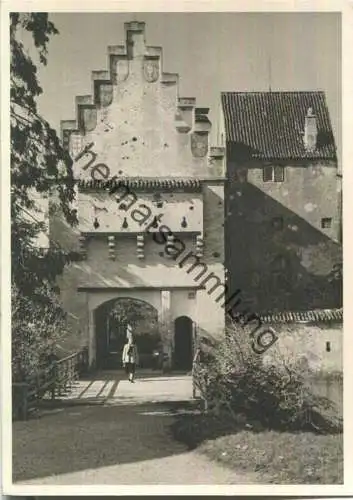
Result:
{"points": [[111, 320], [183, 343]]}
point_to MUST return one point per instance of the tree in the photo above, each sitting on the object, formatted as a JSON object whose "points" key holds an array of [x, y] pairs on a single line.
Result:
{"points": [[142, 317], [39, 167]]}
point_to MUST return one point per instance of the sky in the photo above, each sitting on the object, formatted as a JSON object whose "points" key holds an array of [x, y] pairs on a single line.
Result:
{"points": [[212, 52]]}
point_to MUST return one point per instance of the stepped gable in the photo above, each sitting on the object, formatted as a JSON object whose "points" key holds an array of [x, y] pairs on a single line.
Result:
{"points": [[188, 119]]}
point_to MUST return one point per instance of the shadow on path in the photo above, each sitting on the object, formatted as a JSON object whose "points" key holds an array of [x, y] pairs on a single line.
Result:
{"points": [[68, 437]]}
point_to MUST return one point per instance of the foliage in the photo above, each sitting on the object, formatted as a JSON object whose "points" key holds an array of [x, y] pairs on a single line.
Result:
{"points": [[144, 321], [135, 312], [335, 277], [40, 168], [235, 380], [39, 165], [36, 328], [263, 456], [336, 273]]}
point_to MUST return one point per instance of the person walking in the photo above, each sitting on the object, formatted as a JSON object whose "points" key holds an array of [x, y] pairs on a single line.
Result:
{"points": [[130, 356], [157, 357]]}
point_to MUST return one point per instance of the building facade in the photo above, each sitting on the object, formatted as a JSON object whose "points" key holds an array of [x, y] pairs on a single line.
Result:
{"points": [[282, 215], [150, 205]]}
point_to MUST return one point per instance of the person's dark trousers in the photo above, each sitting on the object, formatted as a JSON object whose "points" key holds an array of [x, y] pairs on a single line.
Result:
{"points": [[130, 370], [155, 361]]}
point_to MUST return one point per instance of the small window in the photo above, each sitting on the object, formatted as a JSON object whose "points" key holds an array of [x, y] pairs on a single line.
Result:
{"points": [[278, 174], [326, 223], [268, 174], [191, 295], [157, 200], [273, 173], [328, 346]]}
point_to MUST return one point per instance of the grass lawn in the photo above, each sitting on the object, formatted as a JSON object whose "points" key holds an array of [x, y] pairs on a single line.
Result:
{"points": [[278, 457]]}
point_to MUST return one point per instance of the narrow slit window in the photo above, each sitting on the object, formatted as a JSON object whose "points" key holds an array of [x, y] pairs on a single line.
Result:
{"points": [[328, 346]]}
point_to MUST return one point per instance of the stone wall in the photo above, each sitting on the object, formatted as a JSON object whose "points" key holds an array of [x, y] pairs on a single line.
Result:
{"points": [[276, 250], [317, 351], [319, 346]]}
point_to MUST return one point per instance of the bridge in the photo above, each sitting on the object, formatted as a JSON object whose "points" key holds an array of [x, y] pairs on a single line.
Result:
{"points": [[96, 427], [69, 381]]}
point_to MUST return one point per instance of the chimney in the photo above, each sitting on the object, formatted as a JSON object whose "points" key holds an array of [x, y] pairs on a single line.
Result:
{"points": [[310, 131]]}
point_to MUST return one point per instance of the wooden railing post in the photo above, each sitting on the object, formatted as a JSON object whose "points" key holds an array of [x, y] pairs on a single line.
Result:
{"points": [[71, 373], [58, 376], [20, 400], [193, 372], [53, 377], [85, 359], [24, 402], [66, 374]]}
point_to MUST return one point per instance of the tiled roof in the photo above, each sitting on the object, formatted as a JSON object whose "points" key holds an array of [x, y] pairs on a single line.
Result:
{"points": [[315, 316], [142, 183], [270, 125]]}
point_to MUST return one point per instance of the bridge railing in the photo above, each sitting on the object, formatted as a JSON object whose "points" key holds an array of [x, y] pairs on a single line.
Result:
{"points": [[198, 389], [194, 372], [55, 379]]}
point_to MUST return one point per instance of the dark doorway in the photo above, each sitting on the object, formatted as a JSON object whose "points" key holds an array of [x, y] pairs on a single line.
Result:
{"points": [[111, 320], [183, 343]]}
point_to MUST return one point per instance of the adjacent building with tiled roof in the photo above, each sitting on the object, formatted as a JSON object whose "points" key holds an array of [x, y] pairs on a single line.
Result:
{"points": [[167, 183], [306, 317], [271, 125], [282, 214]]}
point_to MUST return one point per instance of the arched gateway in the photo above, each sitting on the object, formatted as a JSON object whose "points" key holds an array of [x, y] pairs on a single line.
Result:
{"points": [[111, 320], [150, 207]]}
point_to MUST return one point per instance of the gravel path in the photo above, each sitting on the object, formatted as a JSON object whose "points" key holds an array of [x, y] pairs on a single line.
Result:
{"points": [[183, 469], [112, 443]]}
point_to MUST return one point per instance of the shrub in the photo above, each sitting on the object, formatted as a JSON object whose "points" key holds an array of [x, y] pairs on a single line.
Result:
{"points": [[36, 329], [233, 379]]}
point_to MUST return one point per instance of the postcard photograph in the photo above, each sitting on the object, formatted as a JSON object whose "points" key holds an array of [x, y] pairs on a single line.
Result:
{"points": [[176, 248]]}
